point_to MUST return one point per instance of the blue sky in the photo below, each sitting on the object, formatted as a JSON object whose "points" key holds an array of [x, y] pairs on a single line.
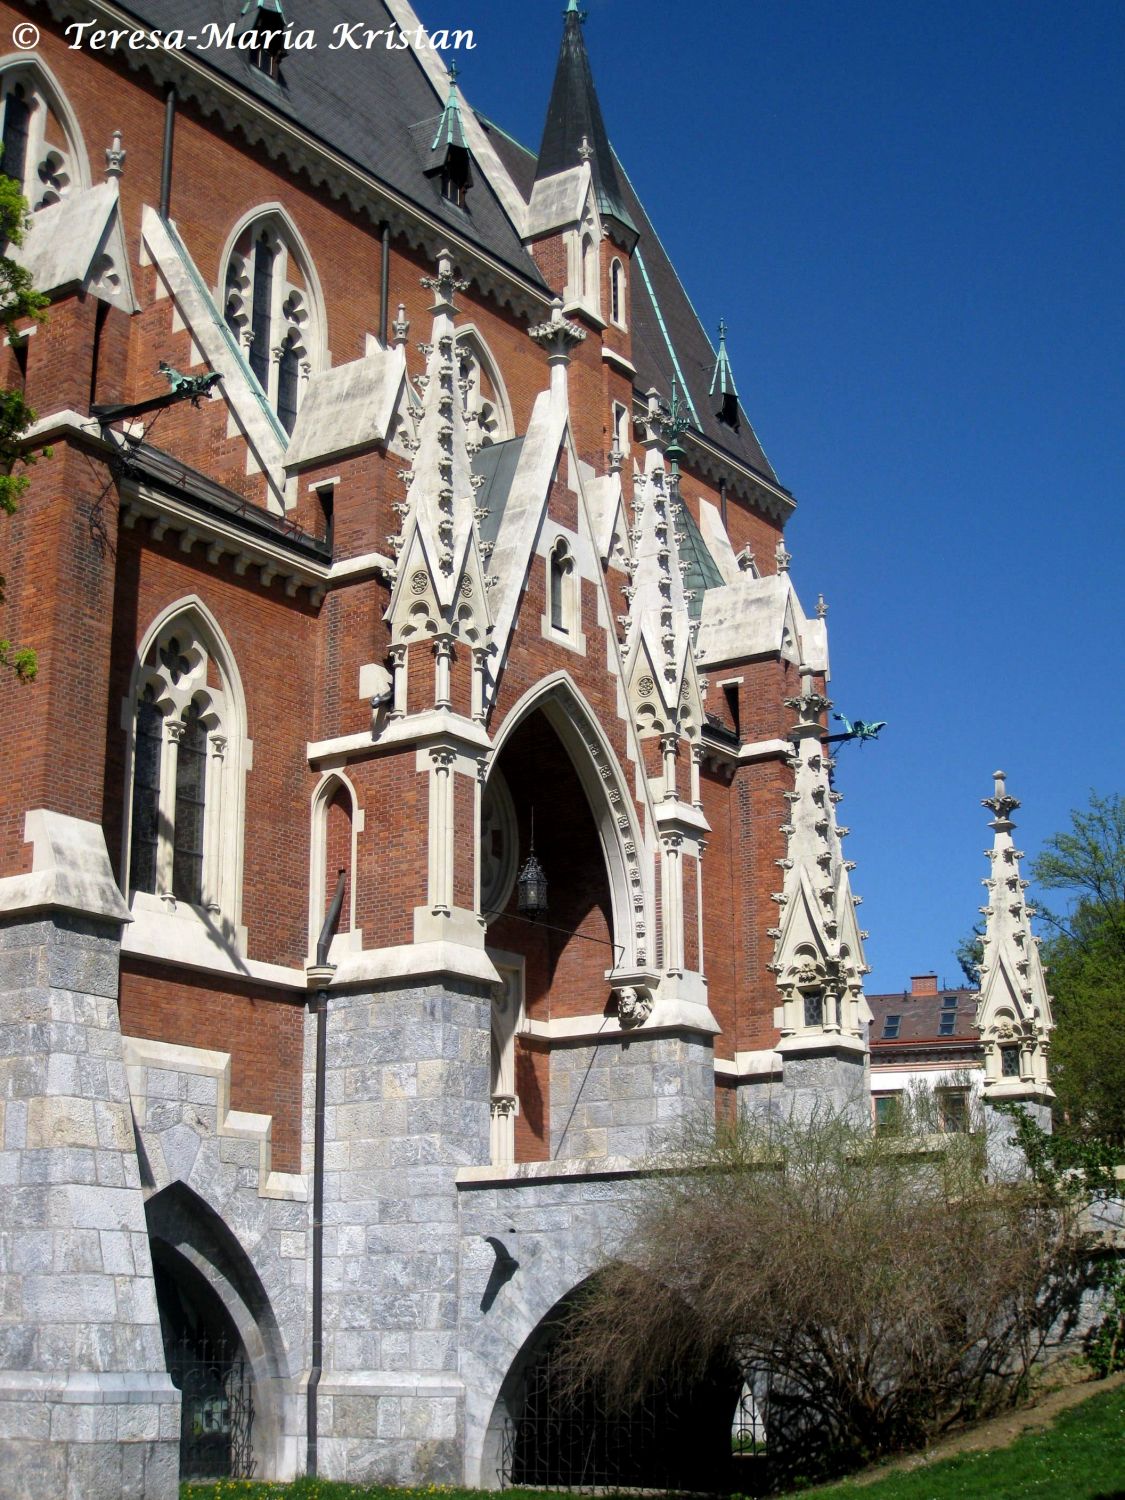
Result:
{"points": [[912, 218]]}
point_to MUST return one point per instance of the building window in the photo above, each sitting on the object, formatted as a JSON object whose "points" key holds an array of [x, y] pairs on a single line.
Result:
{"points": [[888, 1114], [38, 150], [947, 1025], [485, 400], [188, 736], [617, 293], [17, 125], [1010, 1061], [270, 307], [814, 1010], [191, 799], [621, 428], [890, 1028], [148, 746], [560, 589], [589, 271], [953, 1111]]}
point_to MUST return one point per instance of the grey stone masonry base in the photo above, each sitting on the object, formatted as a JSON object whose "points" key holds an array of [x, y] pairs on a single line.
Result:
{"points": [[813, 1083], [629, 1094], [1005, 1158], [98, 1437], [86, 1405], [407, 1105]]}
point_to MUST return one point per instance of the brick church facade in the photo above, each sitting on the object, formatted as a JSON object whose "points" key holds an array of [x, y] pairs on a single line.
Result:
{"points": [[402, 539]]}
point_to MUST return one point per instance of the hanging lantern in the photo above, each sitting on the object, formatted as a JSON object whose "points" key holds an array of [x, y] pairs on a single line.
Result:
{"points": [[531, 882]]}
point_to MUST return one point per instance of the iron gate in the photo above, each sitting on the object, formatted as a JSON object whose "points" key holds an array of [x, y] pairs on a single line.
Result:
{"points": [[217, 1414], [673, 1437]]}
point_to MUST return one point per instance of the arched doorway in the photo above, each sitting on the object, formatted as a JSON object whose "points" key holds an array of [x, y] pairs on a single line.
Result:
{"points": [[549, 1433], [554, 962], [223, 1346], [209, 1368]]}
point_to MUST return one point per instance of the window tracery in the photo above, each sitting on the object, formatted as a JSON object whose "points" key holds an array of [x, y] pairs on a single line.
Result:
{"points": [[270, 306], [483, 394], [186, 795], [39, 147]]}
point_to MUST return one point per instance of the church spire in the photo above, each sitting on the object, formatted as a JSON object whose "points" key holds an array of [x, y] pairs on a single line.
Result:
{"points": [[575, 130], [722, 382], [818, 958], [1014, 1010]]}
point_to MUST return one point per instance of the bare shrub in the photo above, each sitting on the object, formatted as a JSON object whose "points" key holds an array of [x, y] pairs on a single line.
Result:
{"points": [[880, 1289]]}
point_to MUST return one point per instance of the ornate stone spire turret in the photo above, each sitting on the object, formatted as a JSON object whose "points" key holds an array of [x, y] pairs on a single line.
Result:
{"points": [[451, 128], [658, 604], [1014, 1009], [818, 958], [440, 589]]}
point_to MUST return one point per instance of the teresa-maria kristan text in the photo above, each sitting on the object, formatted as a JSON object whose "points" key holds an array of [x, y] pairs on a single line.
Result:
{"points": [[353, 37]]}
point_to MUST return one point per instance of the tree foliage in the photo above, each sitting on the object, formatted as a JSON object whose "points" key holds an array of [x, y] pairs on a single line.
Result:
{"points": [[882, 1288], [1085, 958], [18, 301]]}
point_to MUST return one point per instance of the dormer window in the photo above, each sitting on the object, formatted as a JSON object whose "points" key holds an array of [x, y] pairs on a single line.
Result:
{"points": [[455, 176], [268, 26]]}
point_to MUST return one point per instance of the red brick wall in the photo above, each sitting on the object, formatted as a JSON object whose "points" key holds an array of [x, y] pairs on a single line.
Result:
{"points": [[263, 1034]]}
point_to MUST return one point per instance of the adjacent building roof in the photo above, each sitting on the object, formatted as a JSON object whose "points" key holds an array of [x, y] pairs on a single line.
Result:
{"points": [[948, 1016]]}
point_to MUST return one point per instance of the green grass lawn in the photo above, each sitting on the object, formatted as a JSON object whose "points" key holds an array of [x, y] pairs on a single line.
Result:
{"points": [[1080, 1456]]}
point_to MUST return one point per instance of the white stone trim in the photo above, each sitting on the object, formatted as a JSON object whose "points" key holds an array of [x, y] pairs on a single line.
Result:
{"points": [[413, 960], [519, 1173], [70, 870], [612, 357], [672, 1014], [265, 448], [140, 1054]]}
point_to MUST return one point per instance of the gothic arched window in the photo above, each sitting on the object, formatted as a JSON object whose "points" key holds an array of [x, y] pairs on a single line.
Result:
{"points": [[188, 723], [39, 136], [562, 591], [271, 304], [617, 293]]}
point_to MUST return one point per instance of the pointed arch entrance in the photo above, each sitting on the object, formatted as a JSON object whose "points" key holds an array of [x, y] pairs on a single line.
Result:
{"points": [[223, 1347], [554, 788], [548, 1432]]}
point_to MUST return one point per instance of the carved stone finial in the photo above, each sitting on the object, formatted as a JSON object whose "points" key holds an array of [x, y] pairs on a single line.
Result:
{"points": [[821, 607], [616, 459], [746, 560], [558, 335], [585, 150], [783, 556], [401, 326], [1001, 804], [115, 154]]}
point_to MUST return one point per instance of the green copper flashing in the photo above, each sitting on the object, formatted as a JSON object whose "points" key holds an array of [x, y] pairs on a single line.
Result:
{"points": [[274, 5], [451, 128], [723, 377]]}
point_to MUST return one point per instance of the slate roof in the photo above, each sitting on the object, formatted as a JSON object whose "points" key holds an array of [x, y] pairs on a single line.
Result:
{"points": [[498, 463], [378, 109], [663, 290], [363, 105], [920, 1018]]}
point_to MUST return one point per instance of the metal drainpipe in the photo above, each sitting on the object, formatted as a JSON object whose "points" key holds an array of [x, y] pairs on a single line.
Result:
{"points": [[166, 164], [322, 975], [385, 284]]}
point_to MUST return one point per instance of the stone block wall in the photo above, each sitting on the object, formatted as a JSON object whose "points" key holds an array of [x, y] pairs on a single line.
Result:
{"points": [[86, 1406], [627, 1095], [407, 1105]]}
